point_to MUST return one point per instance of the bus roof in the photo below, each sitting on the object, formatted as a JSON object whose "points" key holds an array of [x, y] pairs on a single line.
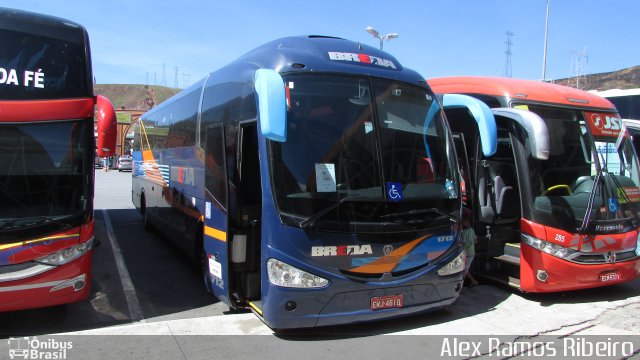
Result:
{"points": [[9, 18], [616, 92], [307, 54], [632, 124], [529, 90], [315, 53]]}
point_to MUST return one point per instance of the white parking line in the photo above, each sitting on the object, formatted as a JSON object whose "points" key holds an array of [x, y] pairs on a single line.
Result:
{"points": [[133, 304]]}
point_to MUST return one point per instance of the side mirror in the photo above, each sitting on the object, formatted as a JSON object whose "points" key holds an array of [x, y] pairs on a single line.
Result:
{"points": [[107, 127], [483, 116], [272, 104], [535, 127]]}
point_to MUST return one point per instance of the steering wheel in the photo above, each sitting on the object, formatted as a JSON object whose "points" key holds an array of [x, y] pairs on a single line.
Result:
{"points": [[564, 187]]}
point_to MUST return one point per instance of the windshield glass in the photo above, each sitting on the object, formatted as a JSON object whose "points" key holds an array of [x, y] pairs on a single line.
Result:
{"points": [[363, 153], [44, 181], [585, 148]]}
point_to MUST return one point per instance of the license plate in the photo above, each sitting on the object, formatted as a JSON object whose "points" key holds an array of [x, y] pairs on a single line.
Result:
{"points": [[386, 302], [610, 276]]}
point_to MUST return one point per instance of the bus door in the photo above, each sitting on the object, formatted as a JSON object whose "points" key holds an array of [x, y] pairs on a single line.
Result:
{"points": [[499, 193], [244, 233], [215, 240], [466, 184], [474, 132]]}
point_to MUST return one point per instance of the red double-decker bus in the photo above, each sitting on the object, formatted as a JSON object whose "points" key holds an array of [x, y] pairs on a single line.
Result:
{"points": [[556, 207], [47, 148]]}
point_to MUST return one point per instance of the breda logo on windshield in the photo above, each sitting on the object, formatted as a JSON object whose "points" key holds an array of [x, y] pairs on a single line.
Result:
{"points": [[361, 58]]}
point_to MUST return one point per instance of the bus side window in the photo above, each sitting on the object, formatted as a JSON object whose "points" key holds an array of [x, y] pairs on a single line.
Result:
{"points": [[215, 169]]}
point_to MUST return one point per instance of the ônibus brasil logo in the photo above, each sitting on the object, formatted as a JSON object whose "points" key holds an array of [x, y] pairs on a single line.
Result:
{"points": [[31, 348], [361, 58]]}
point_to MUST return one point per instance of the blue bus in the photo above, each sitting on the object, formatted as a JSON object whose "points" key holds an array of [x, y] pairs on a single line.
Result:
{"points": [[314, 179]]}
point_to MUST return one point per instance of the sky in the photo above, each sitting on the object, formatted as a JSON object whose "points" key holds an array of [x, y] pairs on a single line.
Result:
{"points": [[143, 41]]}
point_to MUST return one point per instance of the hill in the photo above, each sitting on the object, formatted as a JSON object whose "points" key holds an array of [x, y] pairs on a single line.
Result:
{"points": [[628, 78], [134, 97]]}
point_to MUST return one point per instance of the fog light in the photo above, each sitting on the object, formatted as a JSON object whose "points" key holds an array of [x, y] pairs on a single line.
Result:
{"points": [[79, 285], [76, 283], [290, 306], [542, 275]]}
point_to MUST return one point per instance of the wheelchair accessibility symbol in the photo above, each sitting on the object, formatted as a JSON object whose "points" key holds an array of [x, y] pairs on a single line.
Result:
{"points": [[613, 205], [394, 191]]}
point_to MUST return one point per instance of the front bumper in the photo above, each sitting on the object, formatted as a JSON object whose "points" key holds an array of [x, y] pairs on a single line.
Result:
{"points": [[565, 275], [63, 284], [347, 302]]}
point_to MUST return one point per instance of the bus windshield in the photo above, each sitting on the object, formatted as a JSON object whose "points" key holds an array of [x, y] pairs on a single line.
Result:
{"points": [[43, 178], [364, 153], [592, 172]]}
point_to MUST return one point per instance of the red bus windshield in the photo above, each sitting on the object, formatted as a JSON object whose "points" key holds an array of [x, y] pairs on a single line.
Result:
{"points": [[585, 146], [43, 181]]}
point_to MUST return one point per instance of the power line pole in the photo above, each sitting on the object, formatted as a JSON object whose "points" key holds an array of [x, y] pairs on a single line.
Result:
{"points": [[579, 61], [186, 80], [175, 78], [507, 54], [164, 74]]}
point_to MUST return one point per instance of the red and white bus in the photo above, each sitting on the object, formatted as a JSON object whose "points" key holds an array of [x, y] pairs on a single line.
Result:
{"points": [[556, 207], [47, 148]]}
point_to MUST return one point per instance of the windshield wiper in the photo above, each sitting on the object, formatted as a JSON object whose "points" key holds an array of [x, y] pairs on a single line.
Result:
{"points": [[32, 221], [308, 222], [7, 223], [592, 196], [423, 211]]}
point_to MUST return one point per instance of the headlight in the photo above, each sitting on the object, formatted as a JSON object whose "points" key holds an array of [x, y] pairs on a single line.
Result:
{"points": [[66, 255], [285, 275], [454, 266], [547, 247], [638, 245]]}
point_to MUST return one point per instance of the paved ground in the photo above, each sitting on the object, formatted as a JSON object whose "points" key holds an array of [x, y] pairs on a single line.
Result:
{"points": [[142, 285]]}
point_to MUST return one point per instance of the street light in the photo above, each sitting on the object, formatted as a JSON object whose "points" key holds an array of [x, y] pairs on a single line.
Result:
{"points": [[376, 35], [544, 56]]}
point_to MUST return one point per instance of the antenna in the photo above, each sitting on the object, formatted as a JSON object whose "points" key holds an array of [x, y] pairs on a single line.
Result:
{"points": [[507, 54]]}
